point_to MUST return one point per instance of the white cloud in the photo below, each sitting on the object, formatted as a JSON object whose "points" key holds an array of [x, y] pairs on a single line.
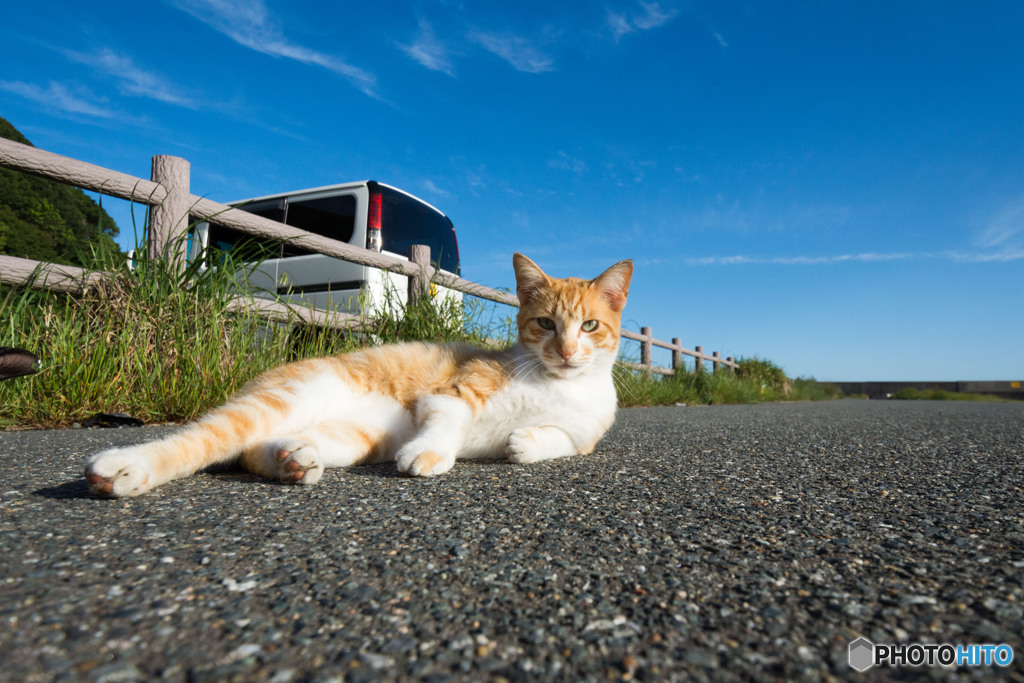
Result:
{"points": [[517, 51], [248, 23], [133, 80], [870, 257], [619, 25], [428, 51], [1004, 228], [62, 98], [568, 163], [653, 16], [432, 187], [650, 16]]}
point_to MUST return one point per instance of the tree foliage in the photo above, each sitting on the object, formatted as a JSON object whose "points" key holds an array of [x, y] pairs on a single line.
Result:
{"points": [[48, 221]]}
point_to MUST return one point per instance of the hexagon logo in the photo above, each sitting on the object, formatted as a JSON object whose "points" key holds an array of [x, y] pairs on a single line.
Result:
{"points": [[862, 654]]}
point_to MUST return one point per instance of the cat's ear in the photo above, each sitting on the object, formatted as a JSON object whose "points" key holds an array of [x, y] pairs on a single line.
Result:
{"points": [[614, 284], [529, 277]]}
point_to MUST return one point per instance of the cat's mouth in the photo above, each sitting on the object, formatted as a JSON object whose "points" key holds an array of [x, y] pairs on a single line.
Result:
{"points": [[566, 367]]}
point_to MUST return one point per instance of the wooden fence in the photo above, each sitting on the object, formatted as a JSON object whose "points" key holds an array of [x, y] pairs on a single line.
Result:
{"points": [[172, 207]]}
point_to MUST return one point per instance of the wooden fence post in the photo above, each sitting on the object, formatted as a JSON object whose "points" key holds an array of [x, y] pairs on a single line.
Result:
{"points": [[419, 284], [717, 362], [730, 359], [677, 355], [168, 220], [699, 358], [645, 349]]}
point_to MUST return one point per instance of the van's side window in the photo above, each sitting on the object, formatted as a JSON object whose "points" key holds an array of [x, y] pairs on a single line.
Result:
{"points": [[333, 217], [245, 247]]}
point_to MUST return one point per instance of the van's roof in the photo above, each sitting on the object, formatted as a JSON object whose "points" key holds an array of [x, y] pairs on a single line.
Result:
{"points": [[329, 188]]}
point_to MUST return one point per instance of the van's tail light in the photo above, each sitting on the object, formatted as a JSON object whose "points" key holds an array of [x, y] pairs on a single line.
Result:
{"points": [[374, 241]]}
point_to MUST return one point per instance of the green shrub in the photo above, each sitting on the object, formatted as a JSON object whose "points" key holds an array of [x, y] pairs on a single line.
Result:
{"points": [[911, 394]]}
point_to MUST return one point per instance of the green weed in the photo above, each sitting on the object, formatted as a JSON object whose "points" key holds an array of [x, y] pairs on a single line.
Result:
{"points": [[755, 381]]}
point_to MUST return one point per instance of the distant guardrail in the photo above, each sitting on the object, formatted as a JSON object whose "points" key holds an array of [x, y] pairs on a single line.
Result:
{"points": [[1013, 389]]}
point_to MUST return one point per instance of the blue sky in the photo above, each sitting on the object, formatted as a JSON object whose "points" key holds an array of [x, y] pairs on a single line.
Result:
{"points": [[835, 186]]}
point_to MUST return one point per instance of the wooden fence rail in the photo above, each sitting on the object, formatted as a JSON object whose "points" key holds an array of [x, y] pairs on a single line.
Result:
{"points": [[173, 206]]}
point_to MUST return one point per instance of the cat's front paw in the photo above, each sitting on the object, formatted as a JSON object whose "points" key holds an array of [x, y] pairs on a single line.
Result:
{"points": [[522, 446], [119, 472], [413, 461], [298, 462]]}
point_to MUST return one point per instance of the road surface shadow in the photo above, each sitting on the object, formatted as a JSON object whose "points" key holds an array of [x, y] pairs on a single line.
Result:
{"points": [[71, 489], [78, 488]]}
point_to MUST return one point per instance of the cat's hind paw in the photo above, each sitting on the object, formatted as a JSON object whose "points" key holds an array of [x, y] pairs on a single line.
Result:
{"points": [[119, 472], [298, 462], [523, 446], [418, 463]]}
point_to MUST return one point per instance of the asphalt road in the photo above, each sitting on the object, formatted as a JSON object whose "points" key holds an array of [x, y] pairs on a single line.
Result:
{"points": [[719, 543]]}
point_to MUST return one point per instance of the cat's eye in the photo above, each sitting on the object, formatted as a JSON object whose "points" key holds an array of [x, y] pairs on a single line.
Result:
{"points": [[590, 326], [546, 323]]}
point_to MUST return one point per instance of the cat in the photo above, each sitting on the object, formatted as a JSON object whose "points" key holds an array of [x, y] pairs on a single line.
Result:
{"points": [[421, 405]]}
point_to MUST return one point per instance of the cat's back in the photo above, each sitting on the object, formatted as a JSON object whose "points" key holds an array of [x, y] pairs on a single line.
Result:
{"points": [[404, 371]]}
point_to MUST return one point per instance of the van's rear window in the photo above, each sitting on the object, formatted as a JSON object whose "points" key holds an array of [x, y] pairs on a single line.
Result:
{"points": [[405, 222]]}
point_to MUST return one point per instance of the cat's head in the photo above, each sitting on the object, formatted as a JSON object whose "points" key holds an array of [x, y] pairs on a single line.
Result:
{"points": [[571, 325]]}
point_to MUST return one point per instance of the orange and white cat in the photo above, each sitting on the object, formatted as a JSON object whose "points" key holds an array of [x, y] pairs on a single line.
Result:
{"points": [[421, 405]]}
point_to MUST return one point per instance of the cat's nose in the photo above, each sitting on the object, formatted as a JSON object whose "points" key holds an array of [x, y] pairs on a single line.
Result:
{"points": [[567, 351]]}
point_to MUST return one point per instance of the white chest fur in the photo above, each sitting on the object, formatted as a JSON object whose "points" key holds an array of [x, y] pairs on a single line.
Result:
{"points": [[583, 407]]}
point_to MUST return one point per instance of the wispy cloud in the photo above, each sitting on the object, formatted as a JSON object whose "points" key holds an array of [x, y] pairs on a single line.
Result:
{"points": [[431, 187], [429, 51], [131, 79], [520, 52], [871, 257], [63, 99], [568, 163], [653, 16], [1005, 229], [650, 16], [248, 23]]}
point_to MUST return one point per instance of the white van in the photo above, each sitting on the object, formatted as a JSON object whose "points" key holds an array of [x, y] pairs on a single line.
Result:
{"points": [[366, 214]]}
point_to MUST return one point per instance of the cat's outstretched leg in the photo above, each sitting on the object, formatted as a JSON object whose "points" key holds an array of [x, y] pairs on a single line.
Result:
{"points": [[218, 437], [442, 422]]}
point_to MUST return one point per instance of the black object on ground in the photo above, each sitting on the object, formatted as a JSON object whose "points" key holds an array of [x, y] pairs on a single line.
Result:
{"points": [[15, 362], [112, 420]]}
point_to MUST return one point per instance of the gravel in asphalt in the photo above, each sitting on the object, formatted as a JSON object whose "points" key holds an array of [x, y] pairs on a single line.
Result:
{"points": [[698, 543]]}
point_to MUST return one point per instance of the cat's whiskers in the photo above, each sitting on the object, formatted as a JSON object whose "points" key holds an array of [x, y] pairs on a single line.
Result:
{"points": [[526, 367], [619, 378]]}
